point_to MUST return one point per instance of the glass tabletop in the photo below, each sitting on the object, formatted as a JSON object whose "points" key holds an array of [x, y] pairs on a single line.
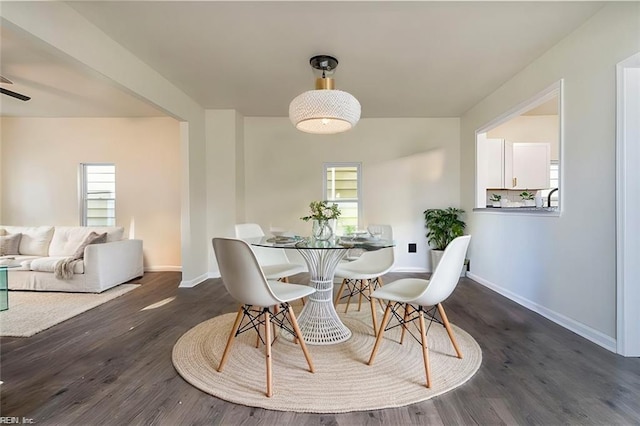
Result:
{"points": [[297, 242]]}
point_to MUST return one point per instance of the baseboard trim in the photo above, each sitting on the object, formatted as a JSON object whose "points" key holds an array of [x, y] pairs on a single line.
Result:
{"points": [[580, 329], [194, 282], [163, 268]]}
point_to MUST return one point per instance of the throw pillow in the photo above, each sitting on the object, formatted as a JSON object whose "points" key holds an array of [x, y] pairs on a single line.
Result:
{"points": [[92, 238], [10, 244]]}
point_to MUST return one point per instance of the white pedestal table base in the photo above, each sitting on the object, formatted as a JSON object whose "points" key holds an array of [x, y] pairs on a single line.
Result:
{"points": [[318, 320]]}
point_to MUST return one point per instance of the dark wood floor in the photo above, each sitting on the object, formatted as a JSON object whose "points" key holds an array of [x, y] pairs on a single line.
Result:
{"points": [[112, 366]]}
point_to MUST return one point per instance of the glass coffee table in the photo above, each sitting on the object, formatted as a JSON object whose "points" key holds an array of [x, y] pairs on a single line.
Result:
{"points": [[4, 286]]}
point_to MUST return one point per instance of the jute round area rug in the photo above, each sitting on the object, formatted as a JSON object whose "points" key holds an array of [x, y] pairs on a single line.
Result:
{"points": [[342, 381]]}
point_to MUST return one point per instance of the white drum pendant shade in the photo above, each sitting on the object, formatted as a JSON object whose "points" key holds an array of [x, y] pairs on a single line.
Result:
{"points": [[324, 111]]}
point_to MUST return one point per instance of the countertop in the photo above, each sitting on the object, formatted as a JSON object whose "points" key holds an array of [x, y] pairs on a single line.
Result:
{"points": [[544, 211]]}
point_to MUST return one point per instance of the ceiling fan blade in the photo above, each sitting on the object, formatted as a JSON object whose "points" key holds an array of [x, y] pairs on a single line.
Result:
{"points": [[14, 94], [5, 80]]}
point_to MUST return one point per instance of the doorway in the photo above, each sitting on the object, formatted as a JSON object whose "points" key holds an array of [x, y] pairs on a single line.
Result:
{"points": [[628, 206]]}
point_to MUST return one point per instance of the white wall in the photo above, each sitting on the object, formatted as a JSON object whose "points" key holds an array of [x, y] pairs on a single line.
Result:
{"points": [[563, 267], [71, 36], [40, 175], [532, 129], [408, 165], [225, 176]]}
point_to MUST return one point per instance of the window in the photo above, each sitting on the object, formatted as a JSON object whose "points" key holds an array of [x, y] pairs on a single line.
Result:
{"points": [[97, 194], [342, 186], [554, 179]]}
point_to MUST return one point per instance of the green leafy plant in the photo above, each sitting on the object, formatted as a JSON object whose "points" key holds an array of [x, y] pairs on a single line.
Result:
{"points": [[495, 197], [443, 226], [322, 211], [526, 195], [349, 229]]}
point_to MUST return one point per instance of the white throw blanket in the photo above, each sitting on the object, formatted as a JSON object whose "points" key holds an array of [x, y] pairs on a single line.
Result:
{"points": [[63, 269]]}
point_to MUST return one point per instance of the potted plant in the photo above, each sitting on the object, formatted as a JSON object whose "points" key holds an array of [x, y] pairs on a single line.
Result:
{"points": [[528, 198], [324, 217], [443, 226], [495, 200]]}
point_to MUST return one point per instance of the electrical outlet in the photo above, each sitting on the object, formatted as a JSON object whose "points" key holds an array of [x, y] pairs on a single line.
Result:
{"points": [[412, 248]]}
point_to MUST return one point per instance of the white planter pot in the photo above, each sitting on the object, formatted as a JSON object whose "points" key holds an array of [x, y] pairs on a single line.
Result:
{"points": [[436, 255], [495, 203]]}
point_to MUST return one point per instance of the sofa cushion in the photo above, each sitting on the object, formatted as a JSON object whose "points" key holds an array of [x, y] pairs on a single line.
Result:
{"points": [[67, 239], [23, 261], [10, 244], [48, 264], [35, 239], [92, 238]]}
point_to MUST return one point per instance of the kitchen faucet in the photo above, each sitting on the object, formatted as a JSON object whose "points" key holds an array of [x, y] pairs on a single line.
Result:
{"points": [[549, 196]]}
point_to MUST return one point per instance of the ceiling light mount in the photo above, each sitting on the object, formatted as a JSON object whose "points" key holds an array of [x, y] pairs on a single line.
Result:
{"points": [[324, 110]]}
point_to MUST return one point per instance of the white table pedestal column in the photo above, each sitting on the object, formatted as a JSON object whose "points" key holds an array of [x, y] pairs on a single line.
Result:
{"points": [[318, 320]]}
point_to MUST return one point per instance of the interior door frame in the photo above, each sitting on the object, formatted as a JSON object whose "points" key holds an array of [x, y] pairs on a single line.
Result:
{"points": [[627, 207]]}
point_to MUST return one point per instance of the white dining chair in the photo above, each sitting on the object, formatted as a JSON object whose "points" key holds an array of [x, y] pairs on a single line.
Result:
{"points": [[363, 275], [412, 299], [262, 302], [274, 261]]}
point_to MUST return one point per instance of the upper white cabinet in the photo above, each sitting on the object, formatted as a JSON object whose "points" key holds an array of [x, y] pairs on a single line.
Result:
{"points": [[530, 166], [505, 165]]}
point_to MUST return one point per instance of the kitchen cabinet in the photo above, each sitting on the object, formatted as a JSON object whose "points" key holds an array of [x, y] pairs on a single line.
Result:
{"points": [[506, 165], [529, 167]]}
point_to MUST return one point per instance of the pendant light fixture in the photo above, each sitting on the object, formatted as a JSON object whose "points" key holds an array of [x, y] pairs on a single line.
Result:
{"points": [[324, 110]]}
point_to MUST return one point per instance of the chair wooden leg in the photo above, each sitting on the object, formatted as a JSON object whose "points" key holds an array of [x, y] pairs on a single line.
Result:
{"points": [[340, 292], [379, 281], [232, 336], [372, 302], [407, 311], [385, 320], [425, 349], [296, 328], [267, 344], [445, 320], [350, 294], [361, 284], [276, 309]]}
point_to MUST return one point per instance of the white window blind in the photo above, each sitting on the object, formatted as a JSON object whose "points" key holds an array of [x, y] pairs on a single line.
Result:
{"points": [[97, 194], [342, 185]]}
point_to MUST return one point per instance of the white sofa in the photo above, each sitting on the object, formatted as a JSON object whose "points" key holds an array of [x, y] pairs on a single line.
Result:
{"points": [[104, 265]]}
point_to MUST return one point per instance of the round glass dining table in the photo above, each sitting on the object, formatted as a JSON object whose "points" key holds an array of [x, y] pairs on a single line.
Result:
{"points": [[319, 322]]}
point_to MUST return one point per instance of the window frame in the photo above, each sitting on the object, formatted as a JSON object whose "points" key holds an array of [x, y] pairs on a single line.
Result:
{"points": [[358, 165], [82, 193], [554, 90]]}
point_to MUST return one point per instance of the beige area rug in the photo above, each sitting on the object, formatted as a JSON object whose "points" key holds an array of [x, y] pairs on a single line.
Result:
{"points": [[31, 312], [342, 381]]}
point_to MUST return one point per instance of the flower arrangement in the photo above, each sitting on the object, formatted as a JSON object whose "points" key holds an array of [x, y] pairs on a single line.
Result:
{"points": [[495, 197], [322, 211]]}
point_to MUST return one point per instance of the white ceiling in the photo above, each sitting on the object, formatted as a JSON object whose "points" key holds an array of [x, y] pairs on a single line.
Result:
{"points": [[57, 85], [400, 59]]}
